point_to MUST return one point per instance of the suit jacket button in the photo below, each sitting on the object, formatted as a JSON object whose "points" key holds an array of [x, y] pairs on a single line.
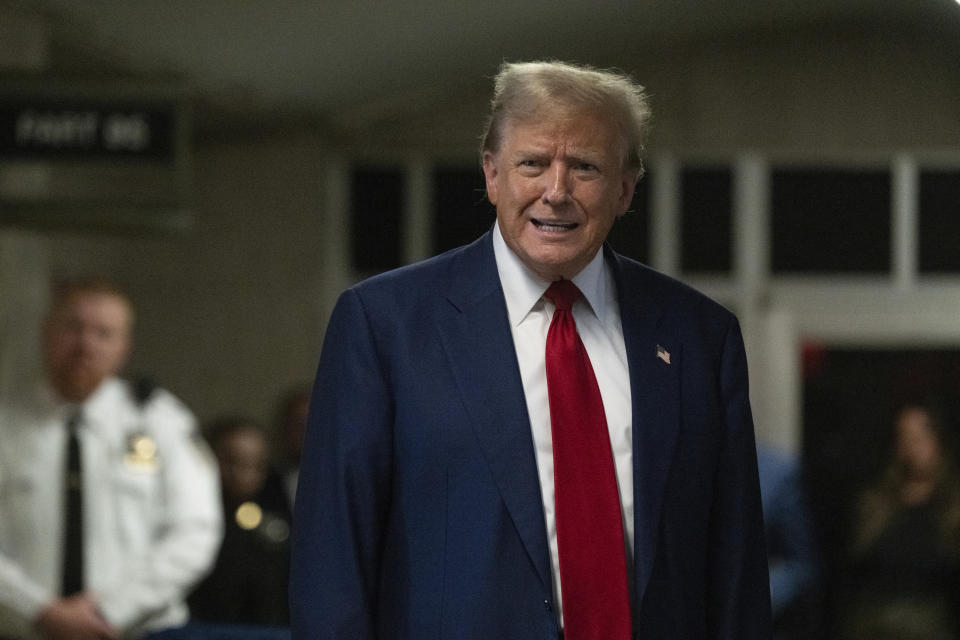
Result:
{"points": [[547, 605]]}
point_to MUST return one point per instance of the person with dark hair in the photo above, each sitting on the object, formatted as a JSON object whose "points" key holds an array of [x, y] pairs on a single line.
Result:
{"points": [[109, 506], [904, 578], [533, 436], [291, 426], [248, 584]]}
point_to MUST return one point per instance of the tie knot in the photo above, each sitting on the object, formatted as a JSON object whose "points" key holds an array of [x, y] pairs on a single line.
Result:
{"points": [[74, 420], [563, 293]]}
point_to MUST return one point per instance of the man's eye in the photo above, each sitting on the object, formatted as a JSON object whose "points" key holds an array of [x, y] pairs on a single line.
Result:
{"points": [[586, 166], [529, 163]]}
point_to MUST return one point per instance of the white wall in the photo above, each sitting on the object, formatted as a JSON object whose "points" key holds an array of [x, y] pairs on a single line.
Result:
{"points": [[231, 313]]}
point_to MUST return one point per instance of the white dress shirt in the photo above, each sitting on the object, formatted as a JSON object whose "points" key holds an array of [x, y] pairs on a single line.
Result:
{"points": [[597, 315], [151, 504]]}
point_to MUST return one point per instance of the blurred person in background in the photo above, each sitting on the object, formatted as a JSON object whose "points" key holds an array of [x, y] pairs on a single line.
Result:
{"points": [[248, 584], [904, 579], [292, 413], [791, 548], [109, 505]]}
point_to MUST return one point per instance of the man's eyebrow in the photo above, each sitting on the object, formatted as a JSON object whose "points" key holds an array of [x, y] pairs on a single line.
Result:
{"points": [[587, 156], [581, 154], [532, 150], [584, 157]]}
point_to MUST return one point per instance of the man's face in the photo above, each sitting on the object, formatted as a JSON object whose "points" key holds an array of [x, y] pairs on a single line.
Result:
{"points": [[295, 428], [242, 457], [558, 187], [918, 446], [86, 340]]}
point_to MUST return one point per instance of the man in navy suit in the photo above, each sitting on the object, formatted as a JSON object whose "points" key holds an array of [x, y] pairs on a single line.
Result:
{"points": [[429, 501]]}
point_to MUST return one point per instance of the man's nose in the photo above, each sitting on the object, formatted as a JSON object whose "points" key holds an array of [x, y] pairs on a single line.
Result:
{"points": [[88, 338], [557, 191]]}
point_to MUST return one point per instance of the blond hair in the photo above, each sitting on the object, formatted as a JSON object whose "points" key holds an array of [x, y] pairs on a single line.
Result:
{"points": [[65, 290], [527, 91]]}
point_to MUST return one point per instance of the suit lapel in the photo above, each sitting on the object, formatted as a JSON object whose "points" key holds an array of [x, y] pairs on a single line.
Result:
{"points": [[475, 333], [654, 357]]}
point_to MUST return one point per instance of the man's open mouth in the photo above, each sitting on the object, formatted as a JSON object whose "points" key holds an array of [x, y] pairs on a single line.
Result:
{"points": [[550, 225]]}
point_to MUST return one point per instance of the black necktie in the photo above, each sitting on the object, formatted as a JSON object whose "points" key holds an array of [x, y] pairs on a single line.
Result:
{"points": [[73, 512]]}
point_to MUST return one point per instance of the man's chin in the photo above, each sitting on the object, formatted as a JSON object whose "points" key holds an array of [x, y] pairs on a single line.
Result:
{"points": [[552, 268], [77, 387]]}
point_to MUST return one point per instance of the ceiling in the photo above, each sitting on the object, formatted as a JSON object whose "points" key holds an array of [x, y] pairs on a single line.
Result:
{"points": [[327, 61]]}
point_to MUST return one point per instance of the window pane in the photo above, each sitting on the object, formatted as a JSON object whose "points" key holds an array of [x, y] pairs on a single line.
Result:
{"points": [[939, 221], [630, 234], [461, 210], [706, 220], [376, 205], [826, 220]]}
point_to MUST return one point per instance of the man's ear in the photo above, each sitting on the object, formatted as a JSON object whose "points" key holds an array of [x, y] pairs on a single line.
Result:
{"points": [[490, 175], [628, 184]]}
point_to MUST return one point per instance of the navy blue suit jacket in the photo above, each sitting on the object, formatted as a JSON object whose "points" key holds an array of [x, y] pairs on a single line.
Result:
{"points": [[419, 515]]}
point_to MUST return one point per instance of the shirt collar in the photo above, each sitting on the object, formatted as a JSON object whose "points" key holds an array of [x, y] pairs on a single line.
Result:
{"points": [[93, 405], [523, 289]]}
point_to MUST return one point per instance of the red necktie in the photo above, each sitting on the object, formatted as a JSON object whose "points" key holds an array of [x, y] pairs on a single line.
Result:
{"points": [[593, 571]]}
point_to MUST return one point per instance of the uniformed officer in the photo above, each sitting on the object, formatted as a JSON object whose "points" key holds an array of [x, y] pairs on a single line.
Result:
{"points": [[109, 503]]}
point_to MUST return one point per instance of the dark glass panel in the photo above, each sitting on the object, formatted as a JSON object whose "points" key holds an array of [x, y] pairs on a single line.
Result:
{"points": [[939, 235], [706, 220], [376, 206], [461, 211], [829, 220], [630, 234]]}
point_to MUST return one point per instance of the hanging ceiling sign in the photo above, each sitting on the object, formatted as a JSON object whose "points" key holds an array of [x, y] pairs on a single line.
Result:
{"points": [[45, 128], [98, 155]]}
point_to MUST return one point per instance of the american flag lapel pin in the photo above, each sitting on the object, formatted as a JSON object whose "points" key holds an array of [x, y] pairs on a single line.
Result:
{"points": [[663, 354]]}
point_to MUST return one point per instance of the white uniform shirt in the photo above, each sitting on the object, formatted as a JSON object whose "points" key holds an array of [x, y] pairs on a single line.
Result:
{"points": [[597, 315], [152, 519]]}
